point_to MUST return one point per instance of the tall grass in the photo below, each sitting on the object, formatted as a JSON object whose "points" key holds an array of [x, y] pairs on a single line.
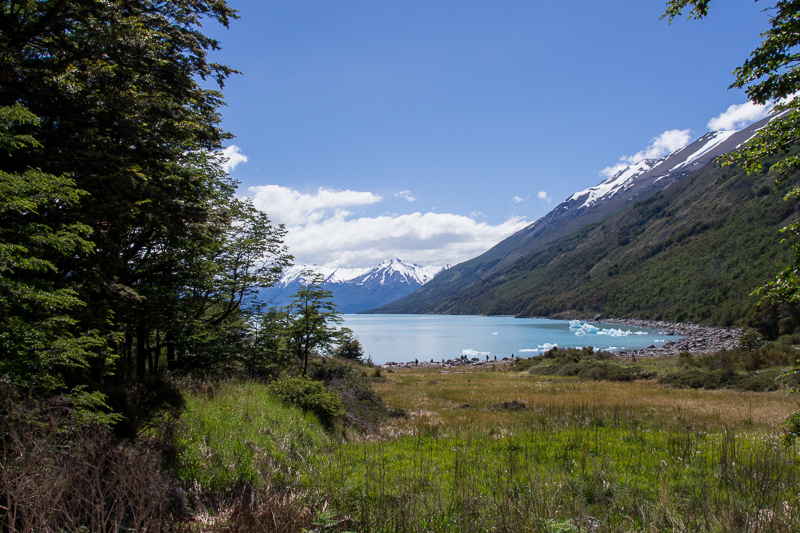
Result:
{"points": [[592, 478], [236, 434], [580, 456]]}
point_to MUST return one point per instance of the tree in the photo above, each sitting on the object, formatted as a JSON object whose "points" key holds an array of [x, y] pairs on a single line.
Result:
{"points": [[37, 331], [312, 318], [131, 227], [349, 346]]}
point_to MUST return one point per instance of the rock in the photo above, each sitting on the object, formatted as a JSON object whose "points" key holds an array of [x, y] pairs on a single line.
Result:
{"points": [[512, 405]]}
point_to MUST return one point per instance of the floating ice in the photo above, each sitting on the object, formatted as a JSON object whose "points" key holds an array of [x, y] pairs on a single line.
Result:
{"points": [[547, 346], [589, 329], [529, 350]]}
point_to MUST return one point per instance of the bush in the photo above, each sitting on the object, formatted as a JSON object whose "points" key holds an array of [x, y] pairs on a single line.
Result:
{"points": [[364, 408], [594, 370], [59, 475], [309, 395], [727, 378]]}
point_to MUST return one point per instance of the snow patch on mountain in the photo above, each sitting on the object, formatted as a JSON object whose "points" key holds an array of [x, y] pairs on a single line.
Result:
{"points": [[712, 140], [616, 183], [382, 273], [687, 159]]}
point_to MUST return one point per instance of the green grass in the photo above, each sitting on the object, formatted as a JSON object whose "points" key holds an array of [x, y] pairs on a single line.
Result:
{"points": [[237, 434], [583, 455], [624, 479]]}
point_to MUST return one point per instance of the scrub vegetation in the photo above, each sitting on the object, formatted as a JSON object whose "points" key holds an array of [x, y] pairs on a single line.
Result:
{"points": [[144, 386], [500, 449]]}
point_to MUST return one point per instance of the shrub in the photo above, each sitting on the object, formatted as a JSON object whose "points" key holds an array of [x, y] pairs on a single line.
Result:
{"points": [[699, 378], [363, 407], [309, 395], [59, 475], [594, 370]]}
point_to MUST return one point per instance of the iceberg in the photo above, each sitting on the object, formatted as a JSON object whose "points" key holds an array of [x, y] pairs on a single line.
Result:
{"points": [[588, 329], [582, 329]]}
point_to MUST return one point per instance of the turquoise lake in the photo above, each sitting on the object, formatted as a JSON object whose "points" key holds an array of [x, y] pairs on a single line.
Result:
{"points": [[402, 338]]}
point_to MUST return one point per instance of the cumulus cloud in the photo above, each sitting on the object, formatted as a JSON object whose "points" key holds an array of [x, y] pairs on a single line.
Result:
{"points": [[664, 144], [405, 195], [232, 156], [321, 231], [740, 116], [614, 169], [543, 196], [518, 199], [293, 208], [659, 146]]}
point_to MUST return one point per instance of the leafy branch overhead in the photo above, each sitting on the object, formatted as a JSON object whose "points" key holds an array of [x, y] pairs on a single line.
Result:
{"points": [[770, 75]]}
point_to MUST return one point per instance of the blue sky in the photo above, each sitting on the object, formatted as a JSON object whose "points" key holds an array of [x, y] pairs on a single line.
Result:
{"points": [[431, 130]]}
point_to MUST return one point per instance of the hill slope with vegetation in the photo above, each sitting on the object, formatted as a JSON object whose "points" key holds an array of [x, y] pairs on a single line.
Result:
{"points": [[693, 252]]}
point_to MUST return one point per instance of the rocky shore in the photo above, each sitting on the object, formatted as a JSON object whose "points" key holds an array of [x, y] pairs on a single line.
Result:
{"points": [[694, 339]]}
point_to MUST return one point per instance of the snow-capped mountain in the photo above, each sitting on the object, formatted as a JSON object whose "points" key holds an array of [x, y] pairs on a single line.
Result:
{"points": [[632, 183], [691, 157], [504, 279], [357, 289]]}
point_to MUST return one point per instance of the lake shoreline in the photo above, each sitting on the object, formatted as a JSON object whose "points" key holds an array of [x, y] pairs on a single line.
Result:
{"points": [[694, 338]]}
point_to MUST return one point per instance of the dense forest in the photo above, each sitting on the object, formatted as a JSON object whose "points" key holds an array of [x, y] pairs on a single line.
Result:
{"points": [[126, 258]]}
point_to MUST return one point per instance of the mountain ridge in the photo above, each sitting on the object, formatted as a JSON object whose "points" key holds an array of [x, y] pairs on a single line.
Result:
{"points": [[356, 289], [518, 276]]}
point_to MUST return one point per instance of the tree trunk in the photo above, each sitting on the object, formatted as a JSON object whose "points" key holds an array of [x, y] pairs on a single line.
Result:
{"points": [[141, 351]]}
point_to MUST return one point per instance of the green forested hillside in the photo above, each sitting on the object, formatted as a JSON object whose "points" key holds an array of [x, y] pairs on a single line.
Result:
{"points": [[693, 252]]}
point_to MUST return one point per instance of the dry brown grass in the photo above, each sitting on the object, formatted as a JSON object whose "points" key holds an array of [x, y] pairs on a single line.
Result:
{"points": [[462, 401]]}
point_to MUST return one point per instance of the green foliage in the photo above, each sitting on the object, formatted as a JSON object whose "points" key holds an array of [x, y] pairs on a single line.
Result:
{"points": [[349, 346], [312, 319], [235, 434], [38, 332], [309, 395]]}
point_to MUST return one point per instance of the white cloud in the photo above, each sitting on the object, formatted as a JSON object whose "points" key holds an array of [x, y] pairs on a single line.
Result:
{"points": [[291, 207], [613, 170], [232, 156], [544, 197], [321, 231], [664, 144], [740, 116], [659, 146], [405, 195], [518, 199]]}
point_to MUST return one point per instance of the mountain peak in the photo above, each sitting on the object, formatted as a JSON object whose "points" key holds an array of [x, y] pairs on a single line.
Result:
{"points": [[358, 289]]}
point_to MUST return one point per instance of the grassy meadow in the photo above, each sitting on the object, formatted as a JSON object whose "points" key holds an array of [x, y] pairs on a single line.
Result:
{"points": [[495, 449]]}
